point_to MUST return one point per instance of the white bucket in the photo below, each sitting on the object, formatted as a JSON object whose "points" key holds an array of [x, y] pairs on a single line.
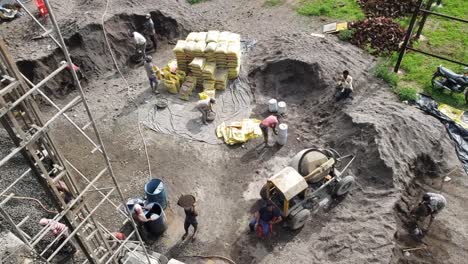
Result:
{"points": [[281, 108], [282, 134], [273, 106]]}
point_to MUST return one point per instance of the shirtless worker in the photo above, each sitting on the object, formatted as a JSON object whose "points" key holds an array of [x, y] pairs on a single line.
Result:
{"points": [[190, 220], [269, 122], [205, 106], [431, 205]]}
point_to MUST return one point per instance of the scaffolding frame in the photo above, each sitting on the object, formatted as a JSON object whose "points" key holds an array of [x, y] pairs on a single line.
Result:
{"points": [[29, 130], [425, 11]]}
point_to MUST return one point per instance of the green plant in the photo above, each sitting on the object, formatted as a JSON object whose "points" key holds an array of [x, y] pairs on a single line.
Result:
{"points": [[382, 70], [368, 47], [407, 93], [342, 9], [346, 34], [195, 1], [272, 3]]}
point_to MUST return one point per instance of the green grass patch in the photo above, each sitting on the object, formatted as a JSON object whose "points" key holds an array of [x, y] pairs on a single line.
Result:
{"points": [[343, 9], [407, 93], [195, 1], [273, 3], [383, 71], [346, 34]]}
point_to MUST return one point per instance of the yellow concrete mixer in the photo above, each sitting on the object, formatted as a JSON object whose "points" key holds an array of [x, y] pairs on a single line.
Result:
{"points": [[310, 182]]}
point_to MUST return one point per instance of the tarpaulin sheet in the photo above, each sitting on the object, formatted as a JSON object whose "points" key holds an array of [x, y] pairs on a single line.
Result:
{"points": [[457, 133], [182, 119]]}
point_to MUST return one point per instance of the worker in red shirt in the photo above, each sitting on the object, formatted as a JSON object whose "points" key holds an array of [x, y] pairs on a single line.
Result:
{"points": [[269, 122], [77, 69]]}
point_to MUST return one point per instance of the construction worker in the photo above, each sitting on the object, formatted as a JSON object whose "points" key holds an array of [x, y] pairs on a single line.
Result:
{"points": [[58, 229], [140, 43], [345, 87], [265, 218], [190, 220], [205, 106], [152, 72], [150, 31], [270, 122], [77, 69], [431, 205]]}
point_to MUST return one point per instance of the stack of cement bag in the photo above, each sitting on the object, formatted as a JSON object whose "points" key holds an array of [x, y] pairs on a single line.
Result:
{"points": [[187, 88], [179, 51], [233, 59], [223, 48], [209, 71], [196, 67], [221, 79]]}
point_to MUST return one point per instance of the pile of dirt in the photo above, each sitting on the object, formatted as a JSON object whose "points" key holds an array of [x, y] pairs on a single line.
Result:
{"points": [[89, 51], [378, 35], [387, 8]]}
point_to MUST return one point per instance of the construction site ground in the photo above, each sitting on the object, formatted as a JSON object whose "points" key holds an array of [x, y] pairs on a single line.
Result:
{"points": [[400, 151]]}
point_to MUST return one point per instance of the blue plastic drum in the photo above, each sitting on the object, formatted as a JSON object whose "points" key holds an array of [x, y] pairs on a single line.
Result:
{"points": [[156, 193]]}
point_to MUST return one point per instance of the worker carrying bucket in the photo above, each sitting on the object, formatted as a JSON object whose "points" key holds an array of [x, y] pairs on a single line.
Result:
{"points": [[188, 203]]}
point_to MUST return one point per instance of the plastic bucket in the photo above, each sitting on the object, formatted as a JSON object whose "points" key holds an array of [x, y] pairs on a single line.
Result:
{"points": [[282, 108], [273, 106], [282, 134], [156, 193], [159, 225]]}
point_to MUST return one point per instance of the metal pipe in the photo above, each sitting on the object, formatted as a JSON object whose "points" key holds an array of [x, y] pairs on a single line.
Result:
{"points": [[424, 18], [408, 36], [96, 131], [42, 129], [73, 202], [64, 115], [444, 16], [37, 86], [438, 57], [79, 226], [95, 188]]}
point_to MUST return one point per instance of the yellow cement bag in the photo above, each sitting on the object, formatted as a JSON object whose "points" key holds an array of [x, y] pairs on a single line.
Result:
{"points": [[234, 49], [210, 93], [180, 46], [224, 36], [181, 75], [222, 47], [203, 96], [201, 36], [198, 62], [212, 36], [192, 36], [199, 47], [210, 47], [189, 47], [170, 86], [233, 37]]}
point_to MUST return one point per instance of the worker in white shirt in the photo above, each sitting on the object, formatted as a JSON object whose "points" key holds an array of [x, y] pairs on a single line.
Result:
{"points": [[140, 42], [345, 87]]}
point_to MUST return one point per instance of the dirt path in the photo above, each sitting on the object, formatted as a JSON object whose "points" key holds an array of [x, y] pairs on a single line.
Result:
{"points": [[400, 150]]}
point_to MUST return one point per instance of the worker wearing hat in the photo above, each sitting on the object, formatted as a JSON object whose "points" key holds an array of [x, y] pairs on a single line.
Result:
{"points": [[431, 205], [153, 73], [150, 31]]}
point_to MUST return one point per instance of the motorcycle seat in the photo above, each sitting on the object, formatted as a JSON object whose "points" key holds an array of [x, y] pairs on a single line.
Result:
{"points": [[450, 74]]}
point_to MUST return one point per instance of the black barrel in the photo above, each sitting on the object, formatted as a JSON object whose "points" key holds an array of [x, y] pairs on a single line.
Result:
{"points": [[158, 226]]}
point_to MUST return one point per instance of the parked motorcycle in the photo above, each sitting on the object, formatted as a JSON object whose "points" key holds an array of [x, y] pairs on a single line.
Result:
{"points": [[444, 78]]}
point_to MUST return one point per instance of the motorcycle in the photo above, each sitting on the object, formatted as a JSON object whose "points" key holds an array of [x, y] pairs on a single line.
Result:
{"points": [[444, 78]]}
